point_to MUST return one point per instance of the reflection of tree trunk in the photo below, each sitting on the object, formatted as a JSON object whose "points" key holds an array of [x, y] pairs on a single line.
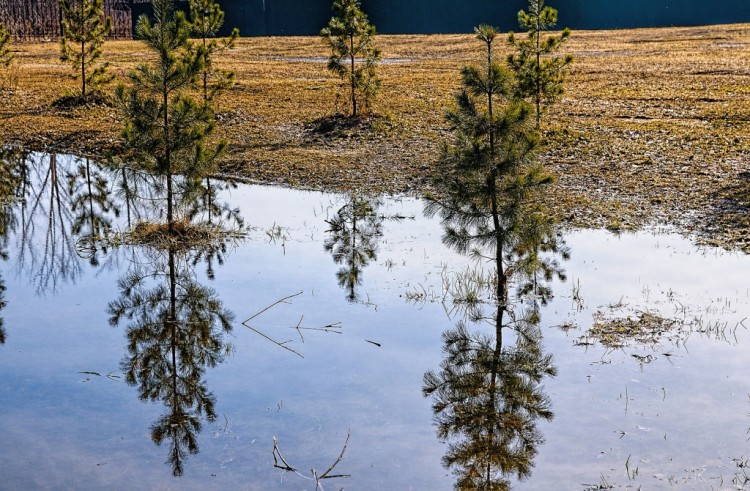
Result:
{"points": [[491, 416], [173, 322], [55, 187], [170, 216], [209, 197], [91, 198], [55, 199], [127, 193], [353, 283]]}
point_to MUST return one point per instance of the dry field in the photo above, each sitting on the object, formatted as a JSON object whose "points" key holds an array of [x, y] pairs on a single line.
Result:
{"points": [[654, 127]]}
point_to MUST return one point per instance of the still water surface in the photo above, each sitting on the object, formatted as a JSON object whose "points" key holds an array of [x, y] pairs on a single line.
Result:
{"points": [[666, 414]]}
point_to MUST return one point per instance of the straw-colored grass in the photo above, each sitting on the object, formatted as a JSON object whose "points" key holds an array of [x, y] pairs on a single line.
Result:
{"points": [[182, 235], [654, 126]]}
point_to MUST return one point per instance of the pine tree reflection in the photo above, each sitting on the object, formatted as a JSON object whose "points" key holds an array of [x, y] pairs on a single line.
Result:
{"points": [[203, 203], [203, 196], [175, 332], [134, 190], [88, 187], [10, 180], [61, 200], [45, 212], [355, 230], [487, 395], [487, 399]]}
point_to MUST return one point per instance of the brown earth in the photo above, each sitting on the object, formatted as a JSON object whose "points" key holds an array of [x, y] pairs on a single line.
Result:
{"points": [[653, 128]]}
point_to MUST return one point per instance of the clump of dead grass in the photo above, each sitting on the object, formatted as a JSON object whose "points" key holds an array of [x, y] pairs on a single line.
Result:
{"points": [[643, 328], [181, 235]]}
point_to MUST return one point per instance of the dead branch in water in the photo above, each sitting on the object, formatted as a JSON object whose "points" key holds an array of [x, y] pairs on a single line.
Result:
{"points": [[298, 327], [285, 466]]}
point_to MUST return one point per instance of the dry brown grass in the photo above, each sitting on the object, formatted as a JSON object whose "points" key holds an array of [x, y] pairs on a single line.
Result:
{"points": [[653, 127], [183, 235]]}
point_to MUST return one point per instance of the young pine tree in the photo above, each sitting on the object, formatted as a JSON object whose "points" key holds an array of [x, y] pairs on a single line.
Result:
{"points": [[540, 74], [84, 28], [206, 18], [354, 54], [6, 56], [489, 175], [166, 129]]}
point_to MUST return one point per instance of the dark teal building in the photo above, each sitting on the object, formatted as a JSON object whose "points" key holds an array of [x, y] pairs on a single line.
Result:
{"points": [[307, 17]]}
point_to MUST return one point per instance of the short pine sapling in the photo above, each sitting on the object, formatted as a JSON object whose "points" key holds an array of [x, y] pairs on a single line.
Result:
{"points": [[84, 28], [540, 74], [354, 54]]}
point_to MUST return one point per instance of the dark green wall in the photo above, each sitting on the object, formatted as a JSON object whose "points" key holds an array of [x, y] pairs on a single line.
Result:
{"points": [[596, 14], [441, 16], [307, 17]]}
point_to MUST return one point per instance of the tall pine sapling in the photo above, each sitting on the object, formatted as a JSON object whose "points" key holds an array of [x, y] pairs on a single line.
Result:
{"points": [[489, 174], [354, 54], [540, 74], [165, 128], [206, 18], [84, 27]]}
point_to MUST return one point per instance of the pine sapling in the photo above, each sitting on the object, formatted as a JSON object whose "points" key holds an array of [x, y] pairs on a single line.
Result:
{"points": [[84, 27]]}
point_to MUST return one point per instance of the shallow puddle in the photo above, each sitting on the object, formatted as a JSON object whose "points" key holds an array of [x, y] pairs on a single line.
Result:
{"points": [[335, 370]]}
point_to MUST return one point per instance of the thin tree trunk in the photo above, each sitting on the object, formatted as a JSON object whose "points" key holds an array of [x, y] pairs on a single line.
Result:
{"points": [[351, 77], [205, 70], [127, 193], [168, 162], [83, 50], [537, 76]]}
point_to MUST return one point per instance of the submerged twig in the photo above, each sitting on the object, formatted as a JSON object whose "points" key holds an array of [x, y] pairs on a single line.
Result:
{"points": [[286, 466], [327, 328], [283, 300], [341, 456], [281, 344], [298, 327], [277, 453]]}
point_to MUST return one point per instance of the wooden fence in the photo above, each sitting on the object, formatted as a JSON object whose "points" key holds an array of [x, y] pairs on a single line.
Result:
{"points": [[39, 20]]}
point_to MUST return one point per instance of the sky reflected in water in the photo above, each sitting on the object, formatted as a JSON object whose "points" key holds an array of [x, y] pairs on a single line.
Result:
{"points": [[667, 414]]}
